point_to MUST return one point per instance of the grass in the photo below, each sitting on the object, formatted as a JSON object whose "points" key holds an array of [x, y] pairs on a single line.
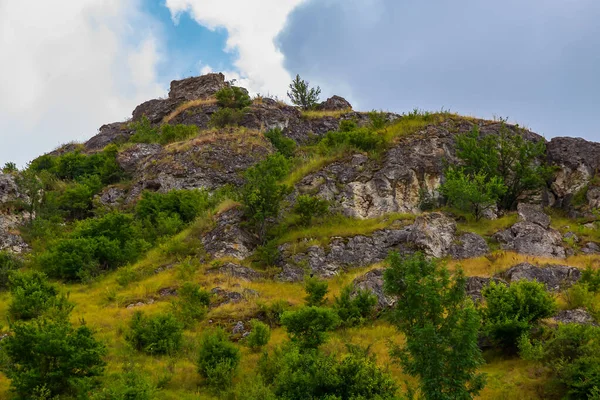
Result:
{"points": [[186, 106], [486, 227], [315, 114], [309, 165]]}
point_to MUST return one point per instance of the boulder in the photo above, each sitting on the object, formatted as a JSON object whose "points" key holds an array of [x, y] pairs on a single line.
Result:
{"points": [[576, 316], [131, 158], [554, 277], [116, 132], [238, 328], [228, 238], [475, 284], [237, 271], [9, 218], [112, 196], [155, 110], [373, 282], [199, 87], [533, 213], [468, 245], [335, 103], [591, 248], [223, 296], [434, 233]]}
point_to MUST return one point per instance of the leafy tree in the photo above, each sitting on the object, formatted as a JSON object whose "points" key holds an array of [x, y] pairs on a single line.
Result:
{"points": [[512, 311], [301, 94], [474, 193], [353, 310], [233, 97], [259, 335], [158, 334], [517, 162], [316, 289], [309, 207], [8, 263], [262, 193], [441, 327], [50, 356], [32, 295], [191, 304], [308, 325], [282, 144], [218, 359]]}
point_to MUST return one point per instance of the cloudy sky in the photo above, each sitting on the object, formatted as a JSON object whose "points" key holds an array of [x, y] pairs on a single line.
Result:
{"points": [[69, 66]]}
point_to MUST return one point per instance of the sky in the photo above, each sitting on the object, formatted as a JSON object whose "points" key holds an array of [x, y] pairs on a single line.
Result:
{"points": [[67, 67]]}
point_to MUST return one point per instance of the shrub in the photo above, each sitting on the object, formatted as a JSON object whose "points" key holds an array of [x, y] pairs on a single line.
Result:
{"points": [[165, 134], [32, 295], [50, 356], [440, 324], [475, 193], [233, 97], [262, 193], [308, 326], [282, 144], [378, 119], [129, 384], [316, 290], [226, 117], [272, 312], [176, 133], [267, 254], [591, 278], [183, 204], [9, 168], [218, 359], [259, 335], [309, 207], [360, 138], [192, 303], [301, 94], [8, 264], [158, 334], [353, 310], [512, 311]]}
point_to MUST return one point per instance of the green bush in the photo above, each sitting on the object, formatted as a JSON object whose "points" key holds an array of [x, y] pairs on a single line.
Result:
{"points": [[308, 325], [272, 312], [297, 374], [226, 117], [233, 97], [145, 132], [50, 356], [511, 311], [591, 278], [316, 290], [191, 304], [353, 310], [267, 255], [185, 204], [8, 263], [282, 144], [360, 138], [158, 334], [218, 359], [32, 295], [378, 119], [259, 336], [309, 207], [9, 168], [301, 94], [129, 384]]}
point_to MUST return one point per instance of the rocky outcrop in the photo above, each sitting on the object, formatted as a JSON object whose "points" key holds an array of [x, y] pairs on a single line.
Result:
{"points": [[373, 282], [237, 271], [576, 316], [554, 277], [10, 217], [342, 254], [334, 103], [532, 235], [228, 238], [475, 285], [116, 132], [468, 245], [577, 161], [433, 233], [210, 161]]}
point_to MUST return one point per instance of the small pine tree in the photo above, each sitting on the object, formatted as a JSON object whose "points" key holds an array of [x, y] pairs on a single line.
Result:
{"points": [[301, 94]]}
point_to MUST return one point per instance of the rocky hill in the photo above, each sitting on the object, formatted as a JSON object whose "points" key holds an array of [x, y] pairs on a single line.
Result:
{"points": [[377, 202]]}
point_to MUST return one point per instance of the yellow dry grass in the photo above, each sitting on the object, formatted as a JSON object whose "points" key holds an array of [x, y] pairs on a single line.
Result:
{"points": [[186, 106], [315, 114]]}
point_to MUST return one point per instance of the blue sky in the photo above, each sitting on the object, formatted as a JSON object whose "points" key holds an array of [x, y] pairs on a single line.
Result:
{"points": [[78, 64]]}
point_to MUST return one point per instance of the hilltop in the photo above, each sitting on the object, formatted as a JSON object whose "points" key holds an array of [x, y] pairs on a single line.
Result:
{"points": [[165, 193]]}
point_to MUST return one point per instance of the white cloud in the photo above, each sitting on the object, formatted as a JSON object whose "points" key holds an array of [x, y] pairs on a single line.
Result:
{"points": [[69, 67], [252, 27]]}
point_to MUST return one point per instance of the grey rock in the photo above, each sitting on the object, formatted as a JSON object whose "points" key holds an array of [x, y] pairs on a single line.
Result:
{"points": [[533, 213], [199, 87], [10, 215], [469, 245], [167, 292], [131, 158], [225, 296], [335, 103], [373, 282], [571, 236], [475, 285], [237, 271], [554, 277], [239, 328], [117, 132], [228, 238], [433, 233], [155, 110], [591, 248], [112, 196], [575, 316]]}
